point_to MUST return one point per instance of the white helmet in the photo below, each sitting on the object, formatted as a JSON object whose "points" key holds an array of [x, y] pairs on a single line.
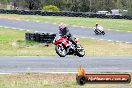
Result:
{"points": [[97, 24], [62, 26]]}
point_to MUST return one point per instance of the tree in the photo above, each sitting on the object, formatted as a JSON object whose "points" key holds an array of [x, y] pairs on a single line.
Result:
{"points": [[33, 4], [129, 7]]}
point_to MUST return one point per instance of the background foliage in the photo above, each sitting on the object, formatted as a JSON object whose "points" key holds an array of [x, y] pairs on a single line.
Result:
{"points": [[72, 5], [51, 8]]}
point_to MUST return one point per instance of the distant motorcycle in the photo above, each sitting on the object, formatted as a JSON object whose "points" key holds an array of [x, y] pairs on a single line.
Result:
{"points": [[65, 47], [99, 32]]}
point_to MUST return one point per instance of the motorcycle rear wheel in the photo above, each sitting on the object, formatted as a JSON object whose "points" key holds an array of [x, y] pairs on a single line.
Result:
{"points": [[96, 32], [103, 32]]}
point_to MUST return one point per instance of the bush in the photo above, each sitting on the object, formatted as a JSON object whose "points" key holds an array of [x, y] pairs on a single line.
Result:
{"points": [[51, 8]]}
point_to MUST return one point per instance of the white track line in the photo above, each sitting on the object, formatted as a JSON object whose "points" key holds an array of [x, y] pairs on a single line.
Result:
{"points": [[120, 30], [107, 40], [87, 71], [41, 72], [16, 28]]}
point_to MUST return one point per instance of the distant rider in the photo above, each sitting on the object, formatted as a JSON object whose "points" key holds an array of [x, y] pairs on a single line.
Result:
{"points": [[64, 31], [98, 27]]}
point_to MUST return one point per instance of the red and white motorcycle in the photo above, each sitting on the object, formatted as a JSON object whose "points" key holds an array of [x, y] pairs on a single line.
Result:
{"points": [[65, 47]]}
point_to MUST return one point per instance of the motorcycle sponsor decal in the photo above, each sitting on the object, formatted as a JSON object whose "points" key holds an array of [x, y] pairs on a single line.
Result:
{"points": [[83, 78]]}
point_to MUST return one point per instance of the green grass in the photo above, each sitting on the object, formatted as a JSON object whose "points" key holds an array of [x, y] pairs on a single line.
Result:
{"points": [[13, 43], [45, 84], [115, 24], [42, 81]]}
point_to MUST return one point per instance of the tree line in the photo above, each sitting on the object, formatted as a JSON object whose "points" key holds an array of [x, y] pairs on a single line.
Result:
{"points": [[73, 5]]}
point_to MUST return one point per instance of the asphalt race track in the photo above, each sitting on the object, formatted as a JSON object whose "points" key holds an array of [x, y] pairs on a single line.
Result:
{"points": [[69, 64], [119, 36]]}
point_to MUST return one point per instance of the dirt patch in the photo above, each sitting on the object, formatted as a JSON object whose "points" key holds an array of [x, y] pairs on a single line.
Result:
{"points": [[47, 77]]}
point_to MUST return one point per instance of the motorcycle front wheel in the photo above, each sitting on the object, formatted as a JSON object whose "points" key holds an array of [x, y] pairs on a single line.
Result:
{"points": [[103, 32], [80, 51], [60, 51]]}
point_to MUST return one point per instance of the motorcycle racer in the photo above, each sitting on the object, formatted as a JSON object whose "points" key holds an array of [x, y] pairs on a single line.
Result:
{"points": [[64, 31], [99, 27]]}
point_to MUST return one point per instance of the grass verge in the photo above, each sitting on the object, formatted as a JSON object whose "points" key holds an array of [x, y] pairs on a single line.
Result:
{"points": [[49, 81], [115, 24], [13, 43]]}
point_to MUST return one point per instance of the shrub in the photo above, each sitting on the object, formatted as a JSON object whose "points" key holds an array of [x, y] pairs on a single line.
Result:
{"points": [[51, 8]]}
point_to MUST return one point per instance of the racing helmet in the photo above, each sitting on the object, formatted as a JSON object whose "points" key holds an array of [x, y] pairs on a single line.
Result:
{"points": [[62, 27], [96, 24]]}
